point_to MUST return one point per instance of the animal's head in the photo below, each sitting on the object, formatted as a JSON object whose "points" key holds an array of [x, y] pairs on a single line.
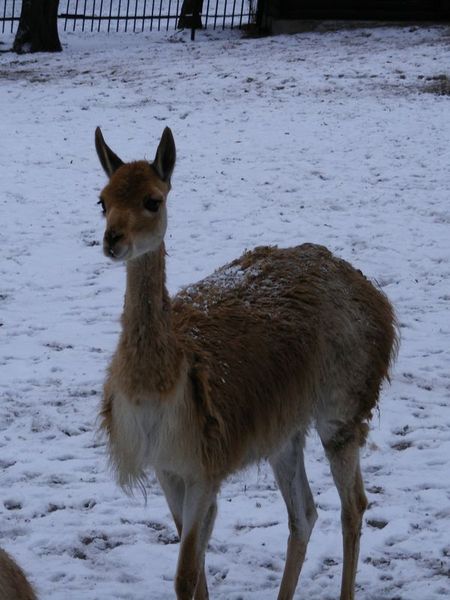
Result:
{"points": [[134, 200]]}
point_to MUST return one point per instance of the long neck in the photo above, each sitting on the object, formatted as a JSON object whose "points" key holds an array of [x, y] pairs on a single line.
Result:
{"points": [[148, 349]]}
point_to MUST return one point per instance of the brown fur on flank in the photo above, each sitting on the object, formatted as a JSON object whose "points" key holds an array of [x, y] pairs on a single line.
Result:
{"points": [[236, 368], [13, 583], [247, 322]]}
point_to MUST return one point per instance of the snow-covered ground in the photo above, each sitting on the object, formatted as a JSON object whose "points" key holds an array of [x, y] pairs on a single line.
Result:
{"points": [[335, 138]]}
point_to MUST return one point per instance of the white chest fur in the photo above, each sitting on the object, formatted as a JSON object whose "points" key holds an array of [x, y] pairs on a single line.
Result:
{"points": [[154, 432]]}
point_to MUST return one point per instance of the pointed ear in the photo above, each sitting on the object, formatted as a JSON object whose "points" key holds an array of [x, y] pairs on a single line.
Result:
{"points": [[109, 161], [164, 162]]}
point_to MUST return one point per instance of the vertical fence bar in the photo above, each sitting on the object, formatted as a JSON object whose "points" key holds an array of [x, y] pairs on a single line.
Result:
{"points": [[144, 14], [160, 13], [13, 15], [207, 15], [224, 14], [242, 14], [152, 15], [84, 16], [177, 14], [118, 15], [232, 14], [216, 13], [73, 20], [67, 12], [110, 15], [75, 16], [100, 15], [126, 15], [135, 15], [168, 15], [4, 18], [92, 19], [65, 21], [144, 10]]}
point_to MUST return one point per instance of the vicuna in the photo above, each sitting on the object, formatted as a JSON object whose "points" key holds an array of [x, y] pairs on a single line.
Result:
{"points": [[13, 583], [237, 368]]}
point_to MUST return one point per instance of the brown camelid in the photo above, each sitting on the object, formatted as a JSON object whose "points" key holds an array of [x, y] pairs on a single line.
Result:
{"points": [[237, 368], [13, 583]]}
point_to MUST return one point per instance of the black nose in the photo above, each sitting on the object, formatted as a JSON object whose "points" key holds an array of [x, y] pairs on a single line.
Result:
{"points": [[112, 237]]}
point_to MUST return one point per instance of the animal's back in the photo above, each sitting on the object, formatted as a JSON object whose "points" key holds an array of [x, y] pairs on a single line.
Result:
{"points": [[280, 337]]}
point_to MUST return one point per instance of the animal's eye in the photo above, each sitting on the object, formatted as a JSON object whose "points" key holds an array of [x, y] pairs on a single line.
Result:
{"points": [[102, 206], [151, 204]]}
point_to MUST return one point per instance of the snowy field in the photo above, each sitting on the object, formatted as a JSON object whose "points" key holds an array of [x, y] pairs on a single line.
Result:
{"points": [[338, 138]]}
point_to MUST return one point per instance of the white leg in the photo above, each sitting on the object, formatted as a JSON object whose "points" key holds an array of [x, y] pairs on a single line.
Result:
{"points": [[174, 490], [289, 470], [173, 487], [344, 463], [201, 591], [199, 511]]}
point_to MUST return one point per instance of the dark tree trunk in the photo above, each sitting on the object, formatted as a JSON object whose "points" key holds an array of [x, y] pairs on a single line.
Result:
{"points": [[190, 15], [38, 27]]}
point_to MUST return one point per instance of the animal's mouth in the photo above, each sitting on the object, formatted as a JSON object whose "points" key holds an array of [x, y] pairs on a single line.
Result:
{"points": [[116, 252]]}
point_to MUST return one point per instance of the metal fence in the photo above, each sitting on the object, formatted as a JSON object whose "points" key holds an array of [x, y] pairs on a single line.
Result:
{"points": [[134, 15]]}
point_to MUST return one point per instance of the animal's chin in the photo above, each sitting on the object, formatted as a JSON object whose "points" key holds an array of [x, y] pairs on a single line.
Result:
{"points": [[117, 254], [141, 248]]}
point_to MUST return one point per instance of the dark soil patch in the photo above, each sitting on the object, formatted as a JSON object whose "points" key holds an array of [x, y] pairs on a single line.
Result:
{"points": [[438, 84]]}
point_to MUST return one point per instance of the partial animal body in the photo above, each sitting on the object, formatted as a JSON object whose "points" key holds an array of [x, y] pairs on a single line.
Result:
{"points": [[237, 368], [13, 582]]}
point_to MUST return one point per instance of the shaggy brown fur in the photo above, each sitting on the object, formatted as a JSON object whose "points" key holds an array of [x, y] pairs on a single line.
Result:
{"points": [[236, 368], [13, 583], [276, 324]]}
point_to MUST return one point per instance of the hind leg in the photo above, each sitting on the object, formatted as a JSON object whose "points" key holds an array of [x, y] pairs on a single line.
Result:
{"points": [[346, 472], [289, 470]]}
